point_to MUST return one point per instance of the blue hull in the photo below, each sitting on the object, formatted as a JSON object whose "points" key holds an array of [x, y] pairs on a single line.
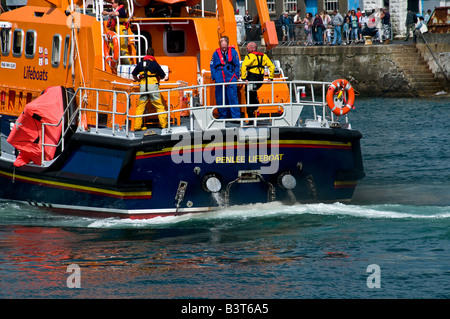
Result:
{"points": [[162, 175]]}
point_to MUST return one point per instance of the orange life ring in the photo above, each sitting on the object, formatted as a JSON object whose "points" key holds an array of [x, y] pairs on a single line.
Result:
{"points": [[337, 89], [111, 38]]}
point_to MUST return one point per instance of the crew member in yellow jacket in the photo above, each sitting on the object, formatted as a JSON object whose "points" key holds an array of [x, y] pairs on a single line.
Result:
{"points": [[252, 69], [148, 72]]}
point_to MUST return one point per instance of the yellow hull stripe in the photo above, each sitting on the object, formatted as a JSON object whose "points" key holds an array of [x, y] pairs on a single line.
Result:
{"points": [[68, 186], [281, 143], [345, 184]]}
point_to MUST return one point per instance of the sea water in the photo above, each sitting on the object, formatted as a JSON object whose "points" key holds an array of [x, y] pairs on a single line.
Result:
{"points": [[391, 241]]}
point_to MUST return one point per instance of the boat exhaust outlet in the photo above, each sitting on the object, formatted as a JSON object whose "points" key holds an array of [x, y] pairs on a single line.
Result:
{"points": [[211, 183], [287, 181]]}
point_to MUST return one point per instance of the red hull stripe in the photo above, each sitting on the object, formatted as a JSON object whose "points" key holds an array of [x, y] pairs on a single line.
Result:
{"points": [[203, 148]]}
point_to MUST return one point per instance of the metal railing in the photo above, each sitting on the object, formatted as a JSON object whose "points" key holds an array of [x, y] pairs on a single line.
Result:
{"points": [[201, 114], [292, 34], [443, 70]]}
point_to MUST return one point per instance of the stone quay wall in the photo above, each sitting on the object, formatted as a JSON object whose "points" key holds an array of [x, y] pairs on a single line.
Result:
{"points": [[373, 70]]}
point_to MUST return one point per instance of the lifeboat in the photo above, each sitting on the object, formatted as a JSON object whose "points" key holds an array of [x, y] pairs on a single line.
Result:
{"points": [[68, 113]]}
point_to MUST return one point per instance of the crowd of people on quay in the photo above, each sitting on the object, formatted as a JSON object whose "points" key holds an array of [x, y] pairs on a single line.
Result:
{"points": [[324, 28]]}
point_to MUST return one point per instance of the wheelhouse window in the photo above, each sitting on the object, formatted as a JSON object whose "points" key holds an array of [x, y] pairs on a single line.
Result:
{"points": [[56, 50], [17, 45], [175, 42], [67, 62], [30, 44], [5, 37]]}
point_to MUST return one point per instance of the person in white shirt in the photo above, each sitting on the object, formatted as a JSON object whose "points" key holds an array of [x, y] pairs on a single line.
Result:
{"points": [[239, 27], [420, 28], [363, 20], [378, 24], [298, 26]]}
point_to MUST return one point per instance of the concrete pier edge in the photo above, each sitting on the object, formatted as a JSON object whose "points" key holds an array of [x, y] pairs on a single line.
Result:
{"points": [[397, 69]]}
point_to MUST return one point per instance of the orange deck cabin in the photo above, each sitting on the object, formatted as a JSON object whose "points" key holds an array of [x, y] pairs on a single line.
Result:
{"points": [[36, 52]]}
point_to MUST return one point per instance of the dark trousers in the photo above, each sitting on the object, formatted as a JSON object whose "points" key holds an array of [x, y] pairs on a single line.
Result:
{"points": [[253, 91], [319, 35]]}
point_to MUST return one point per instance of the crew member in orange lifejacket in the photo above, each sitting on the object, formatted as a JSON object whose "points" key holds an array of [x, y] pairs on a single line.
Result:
{"points": [[225, 69], [119, 10], [253, 70], [149, 73]]}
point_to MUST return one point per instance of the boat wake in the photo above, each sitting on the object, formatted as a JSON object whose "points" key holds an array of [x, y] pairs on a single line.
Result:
{"points": [[278, 210], [16, 214]]}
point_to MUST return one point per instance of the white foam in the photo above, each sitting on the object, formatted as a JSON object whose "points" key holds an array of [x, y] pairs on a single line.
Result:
{"points": [[388, 211]]}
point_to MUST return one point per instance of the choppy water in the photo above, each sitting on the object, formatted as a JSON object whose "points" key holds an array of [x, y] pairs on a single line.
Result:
{"points": [[399, 221]]}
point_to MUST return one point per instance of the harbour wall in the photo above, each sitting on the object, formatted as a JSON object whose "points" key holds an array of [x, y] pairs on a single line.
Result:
{"points": [[374, 70], [437, 52]]}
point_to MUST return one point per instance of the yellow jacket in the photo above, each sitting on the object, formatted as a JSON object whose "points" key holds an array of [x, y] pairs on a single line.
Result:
{"points": [[255, 62]]}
